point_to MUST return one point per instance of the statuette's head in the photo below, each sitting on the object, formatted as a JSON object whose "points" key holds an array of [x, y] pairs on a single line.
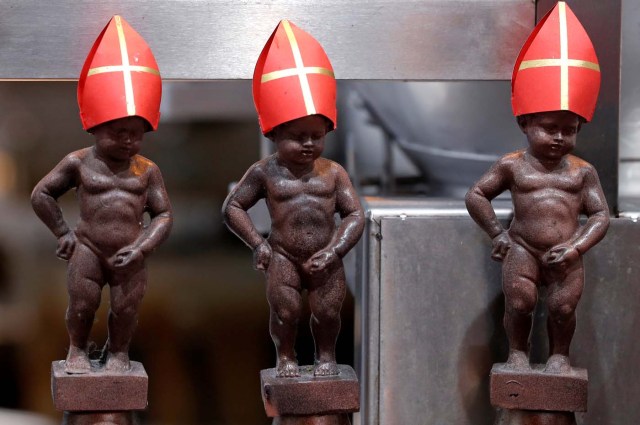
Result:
{"points": [[301, 141], [551, 135], [119, 139]]}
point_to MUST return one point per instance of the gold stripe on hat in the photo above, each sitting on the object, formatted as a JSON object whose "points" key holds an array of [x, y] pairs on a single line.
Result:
{"points": [[290, 72], [564, 57], [120, 68], [576, 63], [302, 76], [126, 69]]}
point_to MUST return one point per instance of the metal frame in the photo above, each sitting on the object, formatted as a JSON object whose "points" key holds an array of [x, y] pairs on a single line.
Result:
{"points": [[221, 39]]}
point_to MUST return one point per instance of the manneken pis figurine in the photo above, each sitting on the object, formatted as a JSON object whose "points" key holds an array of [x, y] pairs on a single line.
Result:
{"points": [[294, 91], [554, 90], [555, 85], [119, 95]]}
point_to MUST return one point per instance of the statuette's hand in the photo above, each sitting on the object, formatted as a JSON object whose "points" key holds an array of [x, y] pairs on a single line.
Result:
{"points": [[262, 256], [66, 245], [501, 245], [320, 261], [561, 255], [127, 256]]}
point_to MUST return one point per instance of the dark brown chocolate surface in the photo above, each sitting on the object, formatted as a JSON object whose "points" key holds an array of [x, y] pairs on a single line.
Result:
{"points": [[115, 188], [99, 391], [536, 390], [304, 250], [544, 244], [310, 395]]}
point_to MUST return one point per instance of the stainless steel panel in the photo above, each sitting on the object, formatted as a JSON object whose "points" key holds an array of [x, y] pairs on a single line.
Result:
{"points": [[607, 340], [221, 39], [630, 100], [432, 319]]}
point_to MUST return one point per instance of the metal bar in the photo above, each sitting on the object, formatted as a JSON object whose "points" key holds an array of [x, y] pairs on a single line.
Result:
{"points": [[630, 102], [221, 39]]}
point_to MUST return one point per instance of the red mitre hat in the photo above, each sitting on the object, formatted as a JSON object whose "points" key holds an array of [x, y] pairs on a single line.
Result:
{"points": [[120, 78], [293, 79], [557, 68]]}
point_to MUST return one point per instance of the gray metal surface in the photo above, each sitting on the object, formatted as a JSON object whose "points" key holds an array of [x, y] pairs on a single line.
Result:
{"points": [[453, 131], [221, 39], [630, 100], [431, 307]]}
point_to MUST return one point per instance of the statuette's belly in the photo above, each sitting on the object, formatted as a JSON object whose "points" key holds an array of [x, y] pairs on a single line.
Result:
{"points": [[302, 229], [112, 219], [544, 220]]}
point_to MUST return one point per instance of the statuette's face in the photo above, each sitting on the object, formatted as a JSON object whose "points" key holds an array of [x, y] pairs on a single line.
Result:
{"points": [[120, 139], [301, 141], [551, 135]]}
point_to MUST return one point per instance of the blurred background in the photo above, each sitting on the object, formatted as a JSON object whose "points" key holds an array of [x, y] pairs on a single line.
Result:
{"points": [[203, 332]]}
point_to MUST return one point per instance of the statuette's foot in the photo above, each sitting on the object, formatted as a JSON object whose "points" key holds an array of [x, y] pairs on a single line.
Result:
{"points": [[287, 368], [518, 360], [117, 362], [558, 363], [77, 361], [325, 369]]}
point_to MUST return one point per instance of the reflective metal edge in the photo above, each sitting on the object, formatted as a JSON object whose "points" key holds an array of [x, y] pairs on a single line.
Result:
{"points": [[221, 39], [629, 208], [367, 332], [378, 208]]}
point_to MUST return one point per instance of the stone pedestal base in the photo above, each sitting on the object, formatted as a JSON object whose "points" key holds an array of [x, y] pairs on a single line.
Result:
{"points": [[310, 400], [99, 391], [536, 390], [532, 417], [99, 397]]}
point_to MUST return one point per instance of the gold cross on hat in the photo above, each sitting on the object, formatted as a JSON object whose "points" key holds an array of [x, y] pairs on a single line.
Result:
{"points": [[564, 62], [300, 71], [125, 68]]}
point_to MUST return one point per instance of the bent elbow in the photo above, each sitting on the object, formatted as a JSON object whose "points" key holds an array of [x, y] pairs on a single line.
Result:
{"points": [[34, 196], [228, 208], [606, 220], [37, 197], [168, 216], [470, 199], [225, 211]]}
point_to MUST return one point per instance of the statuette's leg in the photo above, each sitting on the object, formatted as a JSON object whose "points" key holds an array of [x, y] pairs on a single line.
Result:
{"points": [[84, 273], [325, 301], [285, 301]]}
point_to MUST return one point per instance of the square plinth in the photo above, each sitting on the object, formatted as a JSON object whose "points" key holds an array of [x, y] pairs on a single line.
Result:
{"points": [[536, 390], [310, 395], [98, 390]]}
